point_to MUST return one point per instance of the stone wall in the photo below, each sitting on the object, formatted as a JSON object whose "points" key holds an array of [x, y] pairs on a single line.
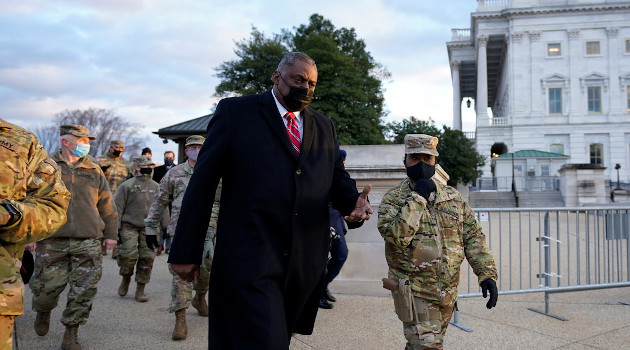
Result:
{"points": [[382, 167], [583, 184]]}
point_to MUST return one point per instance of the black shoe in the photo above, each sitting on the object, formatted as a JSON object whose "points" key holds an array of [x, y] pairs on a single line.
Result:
{"points": [[329, 296], [324, 304]]}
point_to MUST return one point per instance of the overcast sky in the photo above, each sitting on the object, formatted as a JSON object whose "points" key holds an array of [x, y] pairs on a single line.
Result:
{"points": [[153, 61]]}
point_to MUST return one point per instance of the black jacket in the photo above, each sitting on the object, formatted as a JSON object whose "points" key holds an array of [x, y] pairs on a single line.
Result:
{"points": [[273, 230], [159, 172]]}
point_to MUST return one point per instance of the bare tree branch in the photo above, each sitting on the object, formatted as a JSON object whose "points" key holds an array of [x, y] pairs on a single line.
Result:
{"points": [[104, 124]]}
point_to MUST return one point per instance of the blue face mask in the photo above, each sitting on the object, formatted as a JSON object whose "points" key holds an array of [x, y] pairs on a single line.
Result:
{"points": [[82, 150]]}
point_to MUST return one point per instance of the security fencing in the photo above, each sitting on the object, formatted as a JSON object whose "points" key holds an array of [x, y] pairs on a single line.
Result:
{"points": [[553, 250]]}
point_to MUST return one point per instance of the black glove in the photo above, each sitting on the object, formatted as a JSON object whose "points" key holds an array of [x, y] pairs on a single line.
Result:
{"points": [[424, 187], [152, 241], [490, 285]]}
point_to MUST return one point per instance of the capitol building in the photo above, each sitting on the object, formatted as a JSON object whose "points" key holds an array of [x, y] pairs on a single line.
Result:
{"points": [[550, 76]]}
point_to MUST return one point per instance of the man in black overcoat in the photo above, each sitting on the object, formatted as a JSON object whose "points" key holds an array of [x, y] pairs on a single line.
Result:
{"points": [[273, 230]]}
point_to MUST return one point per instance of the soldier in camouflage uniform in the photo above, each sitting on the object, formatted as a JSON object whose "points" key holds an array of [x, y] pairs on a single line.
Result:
{"points": [[116, 169], [172, 189], [73, 254], [428, 229], [33, 204], [133, 199]]}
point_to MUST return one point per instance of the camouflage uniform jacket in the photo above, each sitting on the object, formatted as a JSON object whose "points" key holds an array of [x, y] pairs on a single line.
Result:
{"points": [[91, 213], [118, 170], [30, 181], [133, 199], [172, 189], [426, 241]]}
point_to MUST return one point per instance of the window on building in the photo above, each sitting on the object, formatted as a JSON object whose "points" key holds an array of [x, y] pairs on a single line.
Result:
{"points": [[555, 101], [518, 170], [531, 171], [596, 153], [592, 47], [594, 99], [553, 50], [544, 170], [628, 98], [556, 148], [627, 45]]}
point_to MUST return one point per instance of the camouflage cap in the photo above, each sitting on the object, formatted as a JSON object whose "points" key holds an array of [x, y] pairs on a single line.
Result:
{"points": [[117, 143], [76, 130], [421, 143], [142, 161], [195, 140]]}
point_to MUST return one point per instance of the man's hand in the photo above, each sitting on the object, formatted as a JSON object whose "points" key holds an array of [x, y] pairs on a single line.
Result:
{"points": [[31, 247], [491, 286], [109, 243], [187, 272], [424, 187], [152, 241], [362, 209]]}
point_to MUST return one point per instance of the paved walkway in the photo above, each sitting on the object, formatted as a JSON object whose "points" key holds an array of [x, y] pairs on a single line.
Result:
{"points": [[596, 321]]}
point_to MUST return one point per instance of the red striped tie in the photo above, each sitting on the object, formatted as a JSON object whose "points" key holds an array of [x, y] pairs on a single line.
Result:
{"points": [[294, 132]]}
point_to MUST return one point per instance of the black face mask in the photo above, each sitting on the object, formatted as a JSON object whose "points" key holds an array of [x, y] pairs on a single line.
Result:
{"points": [[298, 97], [116, 153], [168, 161], [146, 171], [421, 170]]}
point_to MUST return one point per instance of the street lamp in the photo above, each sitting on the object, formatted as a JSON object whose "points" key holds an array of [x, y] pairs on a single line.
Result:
{"points": [[618, 166]]}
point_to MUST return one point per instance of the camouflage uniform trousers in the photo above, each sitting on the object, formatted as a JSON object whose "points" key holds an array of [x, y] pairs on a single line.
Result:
{"points": [[6, 332], [61, 261], [429, 326], [134, 252], [181, 291]]}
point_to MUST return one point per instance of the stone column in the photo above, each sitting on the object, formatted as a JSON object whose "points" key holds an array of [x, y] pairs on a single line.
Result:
{"points": [[457, 98], [535, 102], [615, 106], [482, 81], [574, 56], [517, 62]]}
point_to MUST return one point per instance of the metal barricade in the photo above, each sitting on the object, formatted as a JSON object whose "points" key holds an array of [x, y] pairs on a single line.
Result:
{"points": [[553, 250]]}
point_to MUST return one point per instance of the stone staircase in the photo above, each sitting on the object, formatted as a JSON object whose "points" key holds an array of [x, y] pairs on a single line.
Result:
{"points": [[506, 199], [540, 199], [478, 199]]}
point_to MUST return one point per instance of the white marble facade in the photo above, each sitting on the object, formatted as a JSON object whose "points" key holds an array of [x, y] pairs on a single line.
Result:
{"points": [[563, 78]]}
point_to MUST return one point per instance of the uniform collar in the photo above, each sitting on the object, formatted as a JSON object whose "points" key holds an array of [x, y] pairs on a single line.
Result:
{"points": [[188, 168], [84, 163], [5, 124]]}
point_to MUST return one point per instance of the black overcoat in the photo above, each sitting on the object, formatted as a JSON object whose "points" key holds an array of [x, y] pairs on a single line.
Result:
{"points": [[273, 229]]}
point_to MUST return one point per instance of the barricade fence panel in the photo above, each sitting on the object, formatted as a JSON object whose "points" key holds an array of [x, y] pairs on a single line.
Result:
{"points": [[546, 249]]}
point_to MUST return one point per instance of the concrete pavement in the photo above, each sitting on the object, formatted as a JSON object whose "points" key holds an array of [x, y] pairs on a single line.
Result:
{"points": [[596, 321]]}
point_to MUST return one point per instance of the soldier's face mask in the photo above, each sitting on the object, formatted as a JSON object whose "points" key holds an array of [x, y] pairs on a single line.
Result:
{"points": [[420, 170], [192, 154], [146, 171], [116, 153], [81, 150]]}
